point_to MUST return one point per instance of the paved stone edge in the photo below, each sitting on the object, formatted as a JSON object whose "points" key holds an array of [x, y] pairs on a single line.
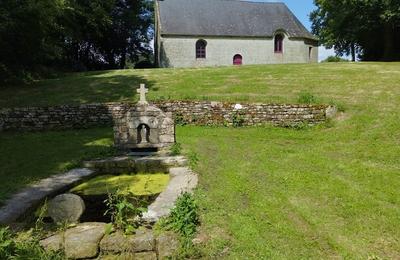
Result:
{"points": [[183, 179], [31, 196]]}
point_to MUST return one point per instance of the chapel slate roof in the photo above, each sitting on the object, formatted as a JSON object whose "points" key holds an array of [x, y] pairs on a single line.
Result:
{"points": [[228, 18]]}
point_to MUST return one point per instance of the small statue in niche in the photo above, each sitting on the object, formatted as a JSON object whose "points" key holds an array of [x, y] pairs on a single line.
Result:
{"points": [[143, 134]]}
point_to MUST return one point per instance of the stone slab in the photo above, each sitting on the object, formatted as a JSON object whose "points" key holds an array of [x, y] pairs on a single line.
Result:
{"points": [[182, 180], [148, 164], [31, 196]]}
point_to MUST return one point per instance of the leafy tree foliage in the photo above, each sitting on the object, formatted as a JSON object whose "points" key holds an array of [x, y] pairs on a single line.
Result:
{"points": [[370, 28], [38, 35]]}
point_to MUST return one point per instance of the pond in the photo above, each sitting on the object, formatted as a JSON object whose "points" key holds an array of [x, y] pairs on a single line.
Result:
{"points": [[139, 189]]}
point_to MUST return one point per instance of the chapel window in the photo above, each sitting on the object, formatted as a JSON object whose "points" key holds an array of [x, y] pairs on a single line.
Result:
{"points": [[278, 43], [201, 49]]}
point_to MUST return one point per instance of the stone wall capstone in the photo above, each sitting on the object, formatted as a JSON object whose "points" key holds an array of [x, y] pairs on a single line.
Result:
{"points": [[185, 112]]}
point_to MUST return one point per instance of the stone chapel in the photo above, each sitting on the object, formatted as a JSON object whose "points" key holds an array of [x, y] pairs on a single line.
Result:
{"points": [[195, 33]]}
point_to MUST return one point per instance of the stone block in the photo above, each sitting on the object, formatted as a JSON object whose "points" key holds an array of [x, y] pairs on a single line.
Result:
{"points": [[167, 244], [83, 240]]}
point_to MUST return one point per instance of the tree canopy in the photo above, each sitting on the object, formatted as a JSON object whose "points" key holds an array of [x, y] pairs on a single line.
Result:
{"points": [[369, 28], [72, 35]]}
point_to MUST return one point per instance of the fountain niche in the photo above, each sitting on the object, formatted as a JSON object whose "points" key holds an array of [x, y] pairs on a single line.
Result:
{"points": [[144, 127]]}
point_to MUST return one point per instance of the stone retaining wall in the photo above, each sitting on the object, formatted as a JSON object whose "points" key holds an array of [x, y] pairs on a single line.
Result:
{"points": [[185, 112]]}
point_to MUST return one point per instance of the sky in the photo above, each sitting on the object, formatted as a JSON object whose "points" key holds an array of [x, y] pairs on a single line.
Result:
{"points": [[302, 9]]}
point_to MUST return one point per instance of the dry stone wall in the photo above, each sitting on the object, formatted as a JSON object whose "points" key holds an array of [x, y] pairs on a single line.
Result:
{"points": [[184, 112]]}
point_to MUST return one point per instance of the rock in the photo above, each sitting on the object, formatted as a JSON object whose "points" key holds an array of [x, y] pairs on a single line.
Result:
{"points": [[167, 244], [124, 256], [145, 256], [131, 256], [143, 241], [66, 208], [53, 243], [83, 240], [117, 242]]}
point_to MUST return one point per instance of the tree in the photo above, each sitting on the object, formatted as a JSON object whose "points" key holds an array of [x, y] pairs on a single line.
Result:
{"points": [[72, 35], [103, 34], [367, 27], [28, 36]]}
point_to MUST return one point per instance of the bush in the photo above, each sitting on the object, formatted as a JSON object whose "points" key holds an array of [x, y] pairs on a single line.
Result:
{"points": [[334, 59]]}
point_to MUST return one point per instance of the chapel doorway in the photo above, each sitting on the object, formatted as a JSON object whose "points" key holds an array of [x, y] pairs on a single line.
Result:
{"points": [[237, 59]]}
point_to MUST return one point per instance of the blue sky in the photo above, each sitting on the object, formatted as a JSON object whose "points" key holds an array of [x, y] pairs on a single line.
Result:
{"points": [[302, 9]]}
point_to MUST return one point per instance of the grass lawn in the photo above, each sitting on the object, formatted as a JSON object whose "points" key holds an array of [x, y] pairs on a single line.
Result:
{"points": [[28, 157], [323, 192], [348, 82]]}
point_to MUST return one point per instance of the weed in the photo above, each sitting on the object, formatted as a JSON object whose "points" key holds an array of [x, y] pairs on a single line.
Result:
{"points": [[184, 217], [176, 149], [24, 245], [306, 98], [237, 119], [41, 213], [184, 220], [123, 212], [339, 106], [179, 119], [193, 159]]}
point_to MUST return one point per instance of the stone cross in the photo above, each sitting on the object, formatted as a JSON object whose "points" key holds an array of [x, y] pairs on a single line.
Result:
{"points": [[142, 91]]}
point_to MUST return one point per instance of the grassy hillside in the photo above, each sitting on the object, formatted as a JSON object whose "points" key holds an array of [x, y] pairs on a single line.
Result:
{"points": [[325, 192], [348, 82]]}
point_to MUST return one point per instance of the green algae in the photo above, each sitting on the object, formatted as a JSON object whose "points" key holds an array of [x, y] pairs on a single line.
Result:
{"points": [[138, 184]]}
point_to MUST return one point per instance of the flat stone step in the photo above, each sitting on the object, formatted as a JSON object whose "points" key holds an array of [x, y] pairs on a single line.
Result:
{"points": [[147, 164], [31, 196]]}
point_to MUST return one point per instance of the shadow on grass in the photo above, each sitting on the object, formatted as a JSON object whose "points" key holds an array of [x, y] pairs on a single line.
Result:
{"points": [[80, 88], [29, 157]]}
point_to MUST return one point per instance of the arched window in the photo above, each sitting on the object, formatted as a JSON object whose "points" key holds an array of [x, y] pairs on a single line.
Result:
{"points": [[237, 59], [201, 49], [278, 43]]}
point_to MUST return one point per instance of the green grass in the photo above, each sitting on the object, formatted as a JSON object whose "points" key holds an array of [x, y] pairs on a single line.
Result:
{"points": [[322, 192], [347, 82], [29, 157]]}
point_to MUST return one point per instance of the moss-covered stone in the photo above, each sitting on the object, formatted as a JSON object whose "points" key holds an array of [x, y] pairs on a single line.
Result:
{"points": [[138, 184]]}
